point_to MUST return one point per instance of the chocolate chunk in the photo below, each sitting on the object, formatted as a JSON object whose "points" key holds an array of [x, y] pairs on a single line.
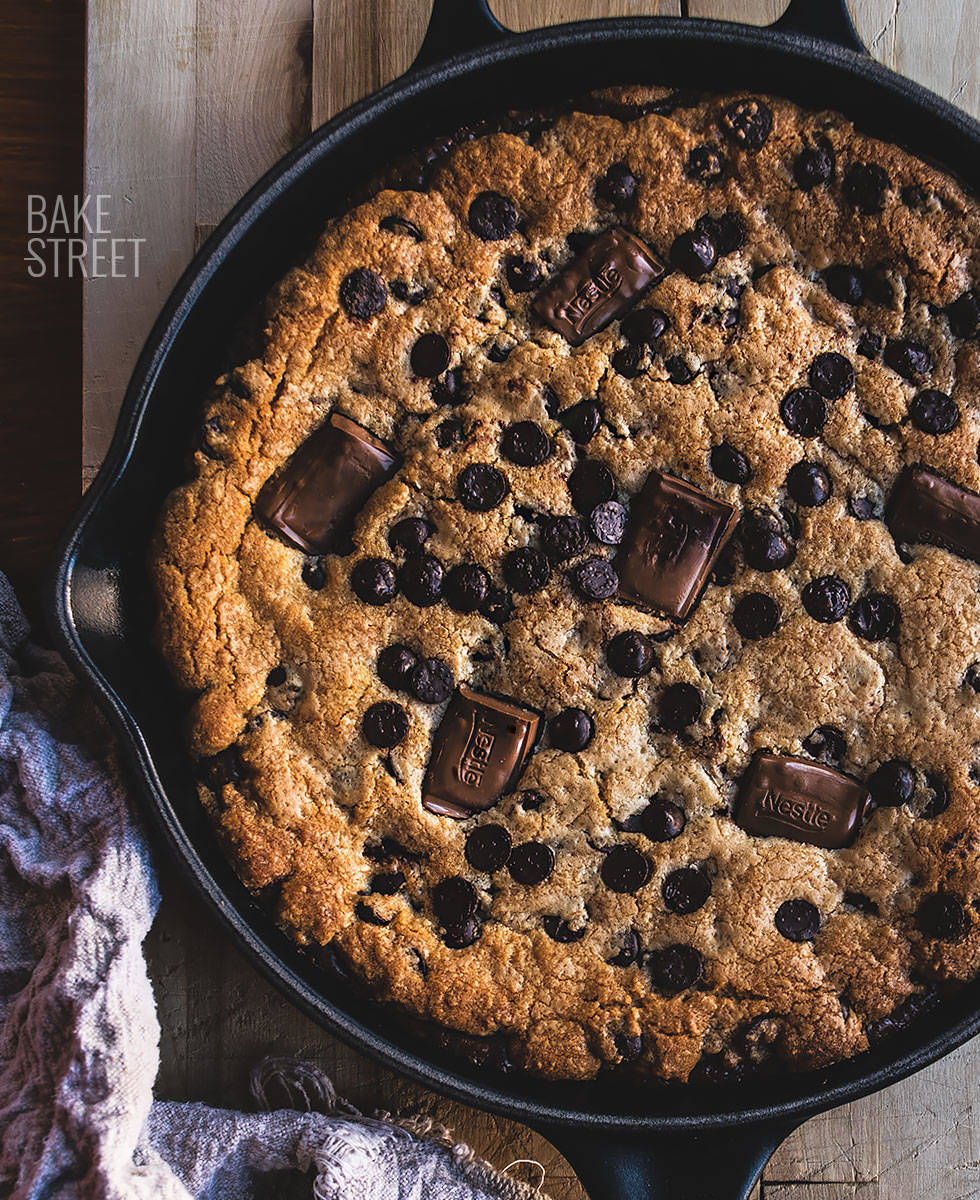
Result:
{"points": [[747, 122], [363, 294], [631, 654], [675, 968], [674, 536], [430, 355], [421, 578], [809, 484], [629, 952], [686, 890], [492, 216], [964, 315], [644, 326], [410, 534], [385, 724], [582, 421], [875, 617], [531, 863], [680, 706], [801, 800], [705, 164], [466, 587], [572, 730], [797, 920], [478, 752], [431, 681], [865, 185], [625, 870], [934, 412], [559, 930], [831, 375], [730, 464], [481, 487], [925, 507], [523, 274], [396, 224], [373, 581], [662, 820], [804, 412], [617, 187], [756, 615], [813, 166], [595, 578], [526, 444], [826, 599], [607, 521], [598, 285], [395, 666], [892, 784], [591, 483], [564, 538], [862, 508], [526, 570], [694, 253], [826, 741], [488, 848], [313, 499], [908, 359]]}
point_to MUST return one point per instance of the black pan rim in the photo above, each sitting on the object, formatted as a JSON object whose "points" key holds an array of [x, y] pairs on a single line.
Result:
{"points": [[505, 1099]]}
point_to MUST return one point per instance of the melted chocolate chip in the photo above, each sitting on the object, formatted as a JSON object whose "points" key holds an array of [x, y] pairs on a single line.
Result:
{"points": [[686, 890], [764, 546], [532, 800], [313, 575], [488, 848], [582, 421], [363, 294], [939, 799], [662, 820], [631, 654], [410, 534], [448, 389], [559, 929], [813, 166], [492, 216], [797, 920], [804, 412], [276, 677], [466, 587], [430, 355], [934, 412], [846, 283], [679, 370], [595, 578], [431, 681], [705, 164], [628, 361], [526, 570], [870, 344], [498, 606], [462, 934], [607, 522], [421, 578], [591, 483], [944, 916], [373, 581], [865, 185], [694, 253], [908, 359], [617, 187], [396, 224], [675, 968], [681, 705], [809, 484], [875, 617], [644, 326], [831, 375], [481, 487], [747, 122], [826, 599], [572, 730], [523, 274], [625, 870], [454, 900], [727, 232], [964, 315], [892, 784], [531, 863], [395, 666], [629, 951], [449, 433], [526, 444], [364, 912], [826, 741], [730, 464], [224, 767], [756, 616], [385, 724]]}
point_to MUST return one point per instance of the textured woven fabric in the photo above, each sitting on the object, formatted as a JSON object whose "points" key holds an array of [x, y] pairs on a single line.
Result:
{"points": [[78, 1027]]}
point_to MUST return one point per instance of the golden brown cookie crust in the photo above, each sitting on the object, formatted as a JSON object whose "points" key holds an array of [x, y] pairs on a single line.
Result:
{"points": [[313, 793]]}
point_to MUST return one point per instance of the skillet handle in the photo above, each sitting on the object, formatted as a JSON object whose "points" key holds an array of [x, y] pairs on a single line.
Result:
{"points": [[455, 26], [714, 1165], [826, 19]]}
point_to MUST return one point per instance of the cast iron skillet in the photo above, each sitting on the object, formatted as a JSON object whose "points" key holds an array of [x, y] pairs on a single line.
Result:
{"points": [[624, 1141]]}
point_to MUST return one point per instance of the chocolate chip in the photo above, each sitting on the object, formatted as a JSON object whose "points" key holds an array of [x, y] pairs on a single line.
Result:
{"points": [[498, 606], [705, 164], [430, 355], [364, 912], [625, 870], [934, 412], [488, 848], [449, 433], [497, 353], [972, 677], [694, 253], [727, 232], [531, 863], [870, 344], [313, 575], [846, 283], [678, 370], [572, 730], [813, 166], [809, 484], [765, 548], [681, 705], [224, 767], [662, 820], [410, 534], [454, 899], [797, 920], [865, 185], [526, 570], [826, 599], [431, 681], [964, 315], [628, 361], [395, 665], [466, 587], [939, 799], [448, 389], [861, 902], [631, 654], [826, 741], [532, 800], [373, 580], [582, 421], [730, 464], [526, 444], [595, 578], [861, 508], [617, 187], [756, 615], [908, 359], [396, 224], [387, 883], [564, 537], [401, 291], [385, 724], [481, 487], [686, 889], [629, 951], [747, 122], [276, 677], [492, 216], [892, 784], [944, 916], [831, 375], [607, 521], [523, 274], [363, 294], [875, 617], [462, 934], [421, 578], [675, 968], [804, 412], [559, 929], [644, 326]]}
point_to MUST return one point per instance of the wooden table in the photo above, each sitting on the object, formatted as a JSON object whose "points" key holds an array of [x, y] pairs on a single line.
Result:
{"points": [[188, 102]]}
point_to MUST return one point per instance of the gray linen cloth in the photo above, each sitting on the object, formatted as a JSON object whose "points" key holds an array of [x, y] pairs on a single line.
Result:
{"points": [[78, 1027]]}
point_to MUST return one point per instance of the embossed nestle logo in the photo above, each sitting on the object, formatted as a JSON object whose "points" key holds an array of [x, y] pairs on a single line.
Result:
{"points": [[805, 814], [592, 292], [475, 758]]}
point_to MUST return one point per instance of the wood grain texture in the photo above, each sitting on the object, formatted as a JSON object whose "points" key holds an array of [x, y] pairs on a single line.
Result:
{"points": [[190, 100]]}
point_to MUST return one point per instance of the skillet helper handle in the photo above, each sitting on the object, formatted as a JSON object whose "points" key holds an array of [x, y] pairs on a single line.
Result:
{"points": [[455, 26], [715, 1165], [826, 19]]}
